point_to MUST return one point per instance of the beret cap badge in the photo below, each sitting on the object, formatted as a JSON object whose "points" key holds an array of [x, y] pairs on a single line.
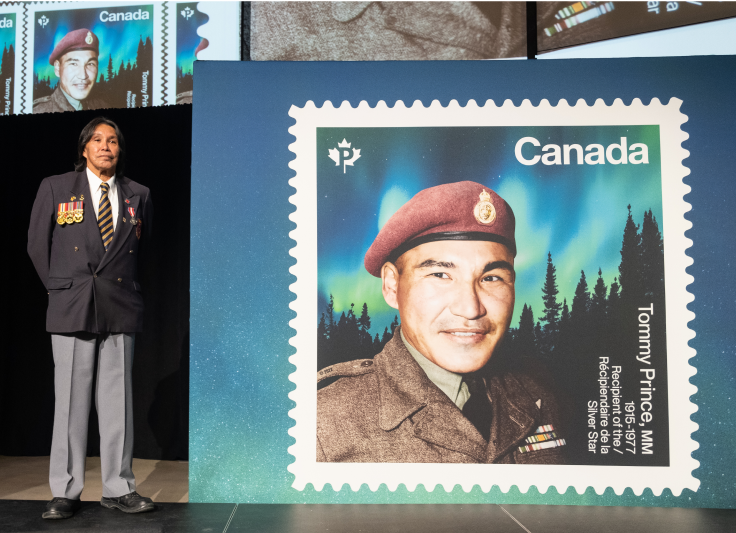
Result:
{"points": [[484, 211], [88, 39]]}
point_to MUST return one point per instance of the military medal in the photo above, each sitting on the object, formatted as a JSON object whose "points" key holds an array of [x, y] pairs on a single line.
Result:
{"points": [[69, 213], [61, 216], [78, 211], [484, 211], [131, 210], [544, 437]]}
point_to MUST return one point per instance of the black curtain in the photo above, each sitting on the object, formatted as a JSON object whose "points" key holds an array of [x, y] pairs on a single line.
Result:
{"points": [[159, 156]]}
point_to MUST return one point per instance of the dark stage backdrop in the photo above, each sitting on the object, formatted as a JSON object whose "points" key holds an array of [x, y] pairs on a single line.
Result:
{"points": [[159, 156]]}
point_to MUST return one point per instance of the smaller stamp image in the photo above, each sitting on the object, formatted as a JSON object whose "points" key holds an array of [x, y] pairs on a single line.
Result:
{"points": [[188, 18], [102, 56], [10, 38]]}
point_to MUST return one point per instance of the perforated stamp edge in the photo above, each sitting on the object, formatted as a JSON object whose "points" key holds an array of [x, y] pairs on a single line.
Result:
{"points": [[676, 477]]}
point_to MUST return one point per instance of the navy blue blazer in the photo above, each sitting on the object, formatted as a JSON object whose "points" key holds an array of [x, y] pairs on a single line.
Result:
{"points": [[90, 289]]}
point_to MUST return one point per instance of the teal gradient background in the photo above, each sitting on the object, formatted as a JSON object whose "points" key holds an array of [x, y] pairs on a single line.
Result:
{"points": [[239, 405]]}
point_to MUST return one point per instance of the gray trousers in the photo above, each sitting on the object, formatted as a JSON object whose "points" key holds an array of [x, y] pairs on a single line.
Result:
{"points": [[74, 361]]}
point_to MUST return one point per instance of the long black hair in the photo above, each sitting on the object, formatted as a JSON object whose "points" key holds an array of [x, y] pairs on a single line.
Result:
{"points": [[86, 136]]}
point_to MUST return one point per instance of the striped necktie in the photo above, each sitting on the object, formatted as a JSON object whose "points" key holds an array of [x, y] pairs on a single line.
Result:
{"points": [[104, 216]]}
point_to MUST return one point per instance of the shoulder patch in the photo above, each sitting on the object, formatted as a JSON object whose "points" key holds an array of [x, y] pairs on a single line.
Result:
{"points": [[347, 369], [41, 100]]}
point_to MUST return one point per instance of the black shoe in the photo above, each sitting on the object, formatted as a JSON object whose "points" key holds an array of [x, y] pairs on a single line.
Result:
{"points": [[130, 503], [61, 508]]}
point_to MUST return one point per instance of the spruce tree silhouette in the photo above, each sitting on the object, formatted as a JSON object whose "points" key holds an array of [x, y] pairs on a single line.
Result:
{"points": [[652, 257], [551, 313], [580, 307], [524, 339], [630, 268], [349, 338], [563, 339], [110, 72]]}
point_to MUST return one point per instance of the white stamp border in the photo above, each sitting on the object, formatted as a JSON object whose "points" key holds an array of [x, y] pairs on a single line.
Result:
{"points": [[222, 32], [676, 477], [159, 35]]}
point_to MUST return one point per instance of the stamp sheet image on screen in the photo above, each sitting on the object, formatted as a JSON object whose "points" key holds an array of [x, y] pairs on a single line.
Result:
{"points": [[129, 68]]}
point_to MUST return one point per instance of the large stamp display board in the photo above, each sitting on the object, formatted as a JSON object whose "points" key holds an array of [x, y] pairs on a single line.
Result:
{"points": [[258, 290]]}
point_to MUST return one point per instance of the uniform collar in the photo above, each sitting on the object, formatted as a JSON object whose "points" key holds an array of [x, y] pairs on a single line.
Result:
{"points": [[76, 104], [404, 387], [448, 382], [405, 391]]}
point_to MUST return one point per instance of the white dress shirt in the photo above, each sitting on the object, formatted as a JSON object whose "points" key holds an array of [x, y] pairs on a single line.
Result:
{"points": [[112, 195]]}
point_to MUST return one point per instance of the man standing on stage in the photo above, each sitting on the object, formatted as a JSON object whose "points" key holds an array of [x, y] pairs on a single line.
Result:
{"points": [[84, 237]]}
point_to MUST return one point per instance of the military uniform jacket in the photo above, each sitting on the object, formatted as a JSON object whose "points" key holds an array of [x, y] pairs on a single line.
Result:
{"points": [[387, 410], [57, 102], [90, 289]]}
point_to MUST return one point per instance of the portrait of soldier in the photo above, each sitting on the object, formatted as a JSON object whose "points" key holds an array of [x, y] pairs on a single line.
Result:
{"points": [[439, 392], [75, 62]]}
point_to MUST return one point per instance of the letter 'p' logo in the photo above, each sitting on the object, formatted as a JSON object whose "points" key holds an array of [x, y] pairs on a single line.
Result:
{"points": [[342, 154], [43, 21]]}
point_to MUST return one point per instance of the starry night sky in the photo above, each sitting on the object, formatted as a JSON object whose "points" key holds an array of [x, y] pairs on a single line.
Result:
{"points": [[576, 212]]}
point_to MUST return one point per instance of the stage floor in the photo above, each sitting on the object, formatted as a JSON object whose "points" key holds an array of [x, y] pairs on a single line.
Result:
{"points": [[24, 491], [25, 516], [27, 478]]}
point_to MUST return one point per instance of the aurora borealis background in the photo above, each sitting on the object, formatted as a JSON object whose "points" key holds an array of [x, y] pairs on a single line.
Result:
{"points": [[119, 39], [576, 212]]}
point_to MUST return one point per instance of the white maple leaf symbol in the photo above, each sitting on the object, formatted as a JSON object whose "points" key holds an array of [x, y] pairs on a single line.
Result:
{"points": [[334, 154]]}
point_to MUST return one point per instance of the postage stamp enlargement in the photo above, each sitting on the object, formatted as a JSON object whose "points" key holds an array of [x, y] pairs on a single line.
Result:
{"points": [[10, 38], [491, 295]]}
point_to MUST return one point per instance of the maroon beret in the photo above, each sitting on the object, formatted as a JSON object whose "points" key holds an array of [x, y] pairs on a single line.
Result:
{"points": [[464, 210], [81, 39]]}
